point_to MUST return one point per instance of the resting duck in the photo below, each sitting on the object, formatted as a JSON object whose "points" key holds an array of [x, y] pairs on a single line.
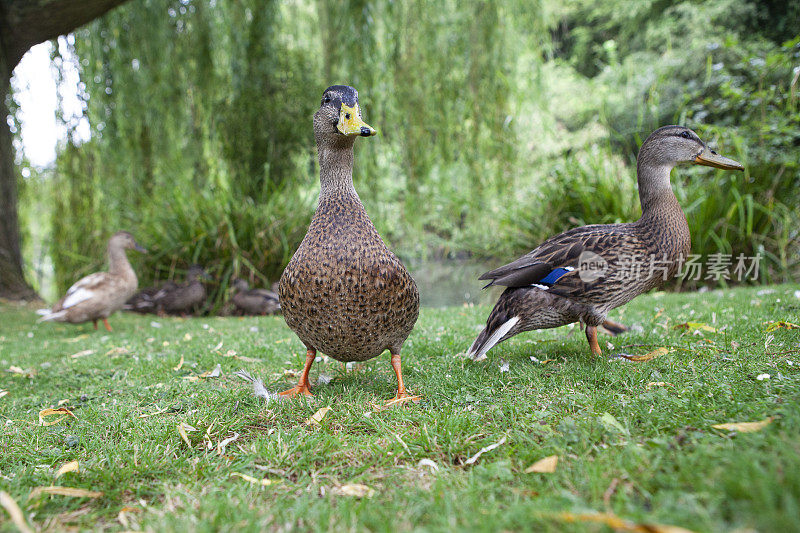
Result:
{"points": [[186, 298], [344, 292], [96, 296], [254, 301], [146, 300], [582, 274]]}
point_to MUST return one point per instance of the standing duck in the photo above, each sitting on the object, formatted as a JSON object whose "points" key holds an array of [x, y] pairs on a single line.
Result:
{"points": [[254, 301], [186, 298], [96, 296], [582, 274], [344, 293]]}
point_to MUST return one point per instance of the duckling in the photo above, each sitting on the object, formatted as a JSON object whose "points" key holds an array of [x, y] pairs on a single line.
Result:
{"points": [[344, 292], [96, 296], [582, 274], [146, 300], [254, 301], [186, 298]]}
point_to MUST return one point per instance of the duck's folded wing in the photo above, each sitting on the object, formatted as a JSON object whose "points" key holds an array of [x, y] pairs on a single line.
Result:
{"points": [[84, 289]]}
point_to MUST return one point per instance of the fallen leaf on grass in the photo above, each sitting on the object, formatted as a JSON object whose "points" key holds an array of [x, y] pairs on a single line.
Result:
{"points": [[180, 364], [781, 324], [611, 423], [615, 522], [183, 427], [317, 417], [650, 355], [24, 373], [78, 338], [212, 373], [429, 463], [265, 482], [658, 384], [745, 427], [355, 490], [544, 466], [224, 443], [489, 448], [72, 466], [64, 491], [187, 337], [14, 512], [119, 350], [82, 353], [51, 412], [3, 393], [694, 326], [123, 515]]}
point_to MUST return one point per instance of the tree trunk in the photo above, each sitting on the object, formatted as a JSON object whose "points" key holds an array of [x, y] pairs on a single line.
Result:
{"points": [[24, 23]]}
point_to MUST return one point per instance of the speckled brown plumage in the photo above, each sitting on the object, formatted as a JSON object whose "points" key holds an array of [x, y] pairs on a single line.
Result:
{"points": [[344, 292], [186, 298], [660, 237]]}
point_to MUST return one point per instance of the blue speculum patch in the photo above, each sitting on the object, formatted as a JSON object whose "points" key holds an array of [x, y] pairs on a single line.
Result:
{"points": [[554, 275]]}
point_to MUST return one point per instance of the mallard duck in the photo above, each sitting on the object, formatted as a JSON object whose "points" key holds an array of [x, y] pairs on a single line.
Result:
{"points": [[146, 300], [185, 298], [254, 301], [96, 296], [344, 292], [582, 274]]}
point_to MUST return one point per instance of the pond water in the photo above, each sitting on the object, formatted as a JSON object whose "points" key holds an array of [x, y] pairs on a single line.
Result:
{"points": [[452, 282]]}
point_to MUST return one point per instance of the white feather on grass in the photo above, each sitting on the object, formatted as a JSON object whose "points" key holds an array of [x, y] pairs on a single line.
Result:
{"points": [[259, 389]]}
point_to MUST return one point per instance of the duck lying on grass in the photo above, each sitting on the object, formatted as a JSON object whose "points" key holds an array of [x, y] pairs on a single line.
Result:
{"points": [[186, 298], [254, 301], [96, 296], [344, 292], [582, 274]]}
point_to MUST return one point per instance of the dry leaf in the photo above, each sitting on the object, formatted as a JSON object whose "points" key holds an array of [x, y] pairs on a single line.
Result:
{"points": [[652, 384], [745, 427], [187, 337], [694, 326], [183, 427], [117, 351], [489, 448], [51, 412], [212, 373], [78, 338], [180, 364], [544, 466], [122, 516], [224, 443], [24, 373], [3, 393], [317, 417], [14, 512], [356, 490], [781, 324], [263, 482], [191, 378], [71, 466], [650, 355], [82, 353], [619, 524], [64, 491]]}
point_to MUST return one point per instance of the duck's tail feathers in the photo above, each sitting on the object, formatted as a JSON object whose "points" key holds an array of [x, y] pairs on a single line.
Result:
{"points": [[487, 339], [48, 315], [43, 312]]}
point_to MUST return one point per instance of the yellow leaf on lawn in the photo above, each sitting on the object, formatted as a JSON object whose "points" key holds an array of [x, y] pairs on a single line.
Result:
{"points": [[14, 512], [52, 412], [650, 355], [3, 393], [781, 324], [72, 466], [544, 466], [694, 326], [317, 417], [659, 384], [187, 337], [745, 427], [180, 364], [78, 338], [123, 516], [356, 490], [183, 427], [65, 491], [615, 522], [265, 482], [20, 372], [82, 353]]}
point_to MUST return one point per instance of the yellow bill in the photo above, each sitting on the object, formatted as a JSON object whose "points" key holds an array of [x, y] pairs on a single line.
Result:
{"points": [[710, 158], [350, 122]]}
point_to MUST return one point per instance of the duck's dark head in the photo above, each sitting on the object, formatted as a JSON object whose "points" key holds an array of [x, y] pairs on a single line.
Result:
{"points": [[240, 285], [671, 145], [340, 115], [197, 272], [125, 240]]}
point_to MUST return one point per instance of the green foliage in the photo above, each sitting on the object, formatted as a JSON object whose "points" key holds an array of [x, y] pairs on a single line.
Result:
{"points": [[501, 123]]}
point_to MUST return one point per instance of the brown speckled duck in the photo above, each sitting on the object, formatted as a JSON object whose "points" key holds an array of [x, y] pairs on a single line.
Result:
{"points": [[96, 296], [185, 298], [254, 301], [582, 274], [344, 293]]}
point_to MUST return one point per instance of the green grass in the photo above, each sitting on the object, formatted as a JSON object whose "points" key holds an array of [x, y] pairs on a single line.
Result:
{"points": [[646, 453]]}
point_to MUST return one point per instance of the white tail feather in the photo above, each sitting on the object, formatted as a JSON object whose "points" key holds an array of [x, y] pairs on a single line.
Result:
{"points": [[52, 316], [43, 312], [495, 337]]}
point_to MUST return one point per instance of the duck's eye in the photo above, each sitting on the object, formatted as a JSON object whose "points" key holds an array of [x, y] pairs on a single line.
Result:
{"points": [[347, 116], [686, 135], [326, 99]]}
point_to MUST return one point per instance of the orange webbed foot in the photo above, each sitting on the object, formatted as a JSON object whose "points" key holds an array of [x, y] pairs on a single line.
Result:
{"points": [[297, 390], [402, 398]]}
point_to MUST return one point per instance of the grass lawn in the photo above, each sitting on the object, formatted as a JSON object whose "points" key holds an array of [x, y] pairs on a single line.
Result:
{"points": [[633, 439]]}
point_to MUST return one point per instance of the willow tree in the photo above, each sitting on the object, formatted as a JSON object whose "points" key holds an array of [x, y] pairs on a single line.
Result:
{"points": [[22, 25]]}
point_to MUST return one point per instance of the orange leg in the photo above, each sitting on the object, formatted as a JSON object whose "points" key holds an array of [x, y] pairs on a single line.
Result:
{"points": [[95, 324], [105, 323], [302, 385], [402, 395], [591, 336]]}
